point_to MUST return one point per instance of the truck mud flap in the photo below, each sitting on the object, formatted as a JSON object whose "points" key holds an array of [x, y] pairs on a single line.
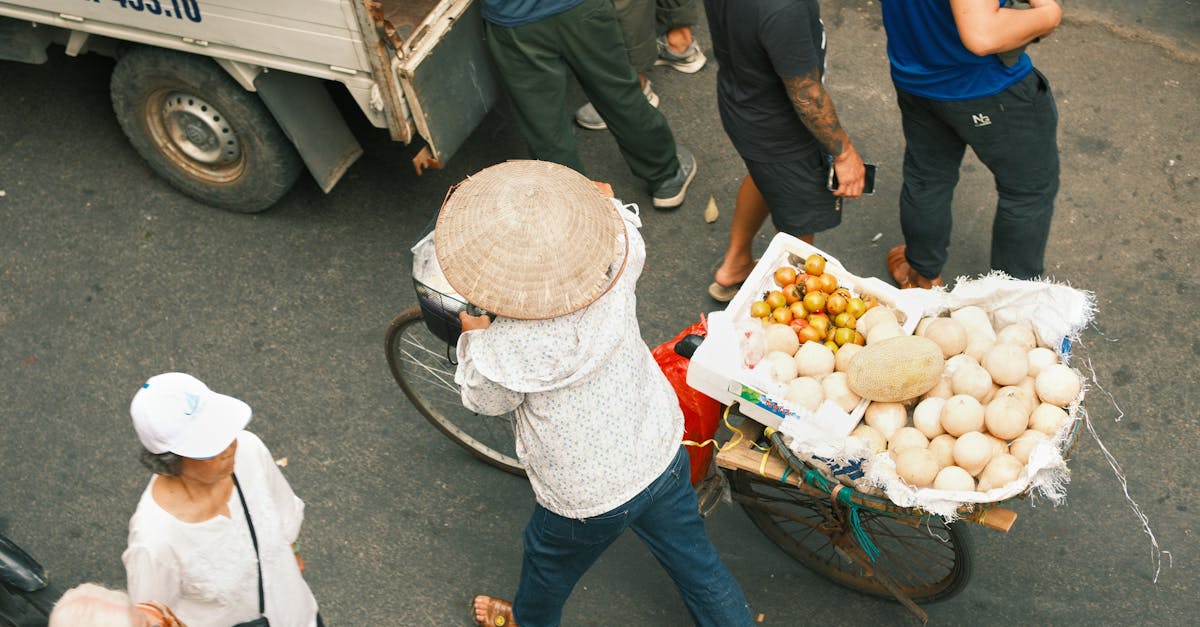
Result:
{"points": [[20, 41], [308, 116]]}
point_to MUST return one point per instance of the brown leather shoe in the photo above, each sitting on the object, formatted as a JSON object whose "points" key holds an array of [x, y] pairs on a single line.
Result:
{"points": [[904, 275]]}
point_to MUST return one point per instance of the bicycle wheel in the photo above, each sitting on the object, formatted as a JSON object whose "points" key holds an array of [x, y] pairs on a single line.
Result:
{"points": [[927, 558], [421, 364]]}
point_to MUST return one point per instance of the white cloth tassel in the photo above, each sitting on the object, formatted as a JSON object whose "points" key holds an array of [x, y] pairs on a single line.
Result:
{"points": [[1156, 553], [1096, 382]]}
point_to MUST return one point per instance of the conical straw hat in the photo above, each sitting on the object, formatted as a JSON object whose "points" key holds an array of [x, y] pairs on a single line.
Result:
{"points": [[528, 240]]}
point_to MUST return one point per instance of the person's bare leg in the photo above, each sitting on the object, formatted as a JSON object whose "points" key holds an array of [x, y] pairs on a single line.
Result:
{"points": [[749, 212]]}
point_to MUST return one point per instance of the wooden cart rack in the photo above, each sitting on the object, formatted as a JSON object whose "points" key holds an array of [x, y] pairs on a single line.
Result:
{"points": [[862, 541]]}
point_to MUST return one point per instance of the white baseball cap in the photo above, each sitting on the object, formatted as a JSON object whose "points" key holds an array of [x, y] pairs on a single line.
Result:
{"points": [[175, 412]]}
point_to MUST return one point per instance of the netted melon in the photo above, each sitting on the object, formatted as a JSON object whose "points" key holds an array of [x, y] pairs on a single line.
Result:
{"points": [[896, 369]]}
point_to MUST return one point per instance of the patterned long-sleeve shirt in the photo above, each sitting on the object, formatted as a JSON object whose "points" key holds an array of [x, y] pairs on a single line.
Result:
{"points": [[596, 420]]}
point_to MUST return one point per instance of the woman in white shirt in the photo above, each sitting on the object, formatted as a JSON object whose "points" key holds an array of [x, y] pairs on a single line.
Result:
{"points": [[191, 545]]}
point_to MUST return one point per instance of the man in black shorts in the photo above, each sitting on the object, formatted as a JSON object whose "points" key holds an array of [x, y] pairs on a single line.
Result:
{"points": [[781, 121]]}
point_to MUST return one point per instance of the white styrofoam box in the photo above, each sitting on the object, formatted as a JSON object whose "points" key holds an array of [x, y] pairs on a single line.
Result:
{"points": [[784, 246], [718, 368]]}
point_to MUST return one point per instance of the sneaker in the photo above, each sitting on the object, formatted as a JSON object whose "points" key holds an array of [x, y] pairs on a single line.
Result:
{"points": [[689, 62], [670, 194], [587, 116]]}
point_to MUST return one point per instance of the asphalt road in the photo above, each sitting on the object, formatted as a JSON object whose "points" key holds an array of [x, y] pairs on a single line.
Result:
{"points": [[108, 275]]}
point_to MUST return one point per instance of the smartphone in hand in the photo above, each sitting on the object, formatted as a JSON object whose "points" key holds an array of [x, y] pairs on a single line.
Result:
{"points": [[868, 179]]}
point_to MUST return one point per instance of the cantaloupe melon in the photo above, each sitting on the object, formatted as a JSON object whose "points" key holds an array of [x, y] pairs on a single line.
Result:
{"points": [[896, 369]]}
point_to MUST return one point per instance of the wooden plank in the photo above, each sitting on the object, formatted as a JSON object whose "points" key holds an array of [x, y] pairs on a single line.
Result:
{"points": [[998, 518], [743, 456]]}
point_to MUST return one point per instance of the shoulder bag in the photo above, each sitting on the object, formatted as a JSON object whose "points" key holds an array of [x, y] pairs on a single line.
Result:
{"points": [[261, 621]]}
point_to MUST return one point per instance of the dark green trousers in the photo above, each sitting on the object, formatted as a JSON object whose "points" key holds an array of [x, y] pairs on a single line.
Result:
{"points": [[533, 61], [643, 20]]}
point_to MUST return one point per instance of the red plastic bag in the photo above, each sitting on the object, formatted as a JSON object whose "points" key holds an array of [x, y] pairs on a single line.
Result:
{"points": [[701, 413]]}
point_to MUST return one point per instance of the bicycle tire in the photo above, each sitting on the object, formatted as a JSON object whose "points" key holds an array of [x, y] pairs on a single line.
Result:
{"points": [[928, 559], [421, 365]]}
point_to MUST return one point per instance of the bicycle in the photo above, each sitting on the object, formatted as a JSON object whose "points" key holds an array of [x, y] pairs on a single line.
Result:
{"points": [[858, 540], [420, 344]]}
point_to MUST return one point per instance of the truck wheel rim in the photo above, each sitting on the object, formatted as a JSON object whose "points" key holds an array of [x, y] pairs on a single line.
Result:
{"points": [[196, 135]]}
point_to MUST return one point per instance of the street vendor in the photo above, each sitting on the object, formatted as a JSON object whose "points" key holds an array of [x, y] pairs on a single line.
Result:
{"points": [[598, 426]]}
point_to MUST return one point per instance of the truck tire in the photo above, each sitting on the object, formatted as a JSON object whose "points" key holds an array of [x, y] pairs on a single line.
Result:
{"points": [[201, 131]]}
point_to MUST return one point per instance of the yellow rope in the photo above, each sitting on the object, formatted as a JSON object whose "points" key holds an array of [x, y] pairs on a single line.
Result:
{"points": [[762, 466], [738, 436]]}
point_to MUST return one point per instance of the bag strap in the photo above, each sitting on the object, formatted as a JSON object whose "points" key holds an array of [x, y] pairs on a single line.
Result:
{"points": [[254, 541]]}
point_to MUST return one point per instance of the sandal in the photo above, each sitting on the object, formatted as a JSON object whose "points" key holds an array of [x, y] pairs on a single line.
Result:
{"points": [[723, 293], [904, 275], [497, 612]]}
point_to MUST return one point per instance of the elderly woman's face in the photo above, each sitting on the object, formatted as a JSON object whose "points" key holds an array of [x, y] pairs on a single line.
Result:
{"points": [[209, 470]]}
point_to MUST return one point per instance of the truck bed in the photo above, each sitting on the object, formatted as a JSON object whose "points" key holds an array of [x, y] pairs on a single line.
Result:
{"points": [[405, 15]]}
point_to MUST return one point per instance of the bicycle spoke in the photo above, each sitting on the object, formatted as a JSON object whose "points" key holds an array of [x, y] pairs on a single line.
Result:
{"points": [[443, 376], [924, 559], [421, 364]]}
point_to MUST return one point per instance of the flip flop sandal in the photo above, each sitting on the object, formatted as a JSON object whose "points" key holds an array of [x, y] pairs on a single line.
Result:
{"points": [[498, 612], [723, 293]]}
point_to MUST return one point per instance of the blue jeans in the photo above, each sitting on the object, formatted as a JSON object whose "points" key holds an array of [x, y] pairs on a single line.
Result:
{"points": [[559, 550]]}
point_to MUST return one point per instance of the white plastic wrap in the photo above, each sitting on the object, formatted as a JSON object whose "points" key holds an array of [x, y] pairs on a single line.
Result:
{"points": [[1057, 313]]}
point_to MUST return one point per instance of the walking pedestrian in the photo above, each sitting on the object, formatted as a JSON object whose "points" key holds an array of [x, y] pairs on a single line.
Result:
{"points": [[962, 80], [214, 534], [781, 120], [598, 426], [534, 44], [656, 32], [93, 605]]}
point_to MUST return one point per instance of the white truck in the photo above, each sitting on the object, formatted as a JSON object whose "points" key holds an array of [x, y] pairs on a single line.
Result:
{"points": [[229, 100]]}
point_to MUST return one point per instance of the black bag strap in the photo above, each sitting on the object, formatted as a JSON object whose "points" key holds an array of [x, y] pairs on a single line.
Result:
{"points": [[254, 541]]}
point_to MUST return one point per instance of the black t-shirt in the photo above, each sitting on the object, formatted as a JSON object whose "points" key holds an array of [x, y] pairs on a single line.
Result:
{"points": [[757, 43]]}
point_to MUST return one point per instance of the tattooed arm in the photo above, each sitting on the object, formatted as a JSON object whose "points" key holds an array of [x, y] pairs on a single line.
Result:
{"points": [[816, 111]]}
